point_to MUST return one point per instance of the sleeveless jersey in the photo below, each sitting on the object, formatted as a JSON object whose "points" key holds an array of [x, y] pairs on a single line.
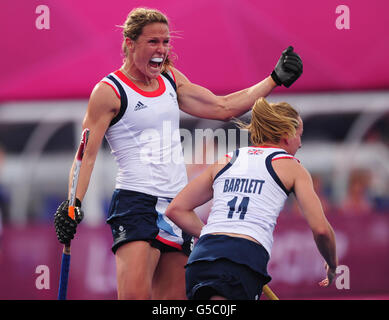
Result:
{"points": [[145, 139], [248, 195]]}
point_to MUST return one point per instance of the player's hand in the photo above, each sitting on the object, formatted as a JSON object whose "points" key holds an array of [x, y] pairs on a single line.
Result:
{"points": [[288, 69], [331, 274], [66, 227]]}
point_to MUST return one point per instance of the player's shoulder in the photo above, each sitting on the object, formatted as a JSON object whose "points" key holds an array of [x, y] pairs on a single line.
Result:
{"points": [[104, 90], [288, 163], [179, 77], [295, 168], [104, 97]]}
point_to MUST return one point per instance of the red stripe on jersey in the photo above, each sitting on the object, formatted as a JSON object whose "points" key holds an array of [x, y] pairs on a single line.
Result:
{"points": [[149, 94], [169, 243], [174, 77], [265, 147], [114, 89], [287, 158]]}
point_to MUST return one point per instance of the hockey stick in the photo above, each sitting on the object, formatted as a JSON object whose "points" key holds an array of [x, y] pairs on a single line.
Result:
{"points": [[65, 263], [269, 293]]}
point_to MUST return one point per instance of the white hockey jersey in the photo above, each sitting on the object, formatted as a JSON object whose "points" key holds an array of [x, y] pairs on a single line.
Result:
{"points": [[145, 138], [248, 195]]}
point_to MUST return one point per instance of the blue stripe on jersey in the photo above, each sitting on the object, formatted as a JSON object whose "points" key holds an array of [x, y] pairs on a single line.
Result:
{"points": [[123, 100], [228, 165], [273, 173], [167, 76]]}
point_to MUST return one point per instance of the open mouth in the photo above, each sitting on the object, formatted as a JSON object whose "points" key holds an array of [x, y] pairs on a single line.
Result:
{"points": [[156, 62]]}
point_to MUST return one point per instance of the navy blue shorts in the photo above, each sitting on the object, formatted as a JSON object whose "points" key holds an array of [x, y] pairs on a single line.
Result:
{"points": [[137, 216], [231, 267]]}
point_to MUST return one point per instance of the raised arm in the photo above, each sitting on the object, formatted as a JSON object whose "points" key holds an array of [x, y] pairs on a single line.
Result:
{"points": [[201, 102]]}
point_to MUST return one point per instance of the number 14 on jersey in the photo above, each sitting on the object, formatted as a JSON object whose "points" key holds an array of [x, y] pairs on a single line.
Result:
{"points": [[242, 207]]}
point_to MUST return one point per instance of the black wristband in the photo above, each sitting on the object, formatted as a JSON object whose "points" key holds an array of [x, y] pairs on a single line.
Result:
{"points": [[275, 78]]}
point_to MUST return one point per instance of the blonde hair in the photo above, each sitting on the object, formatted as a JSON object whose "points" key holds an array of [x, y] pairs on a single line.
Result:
{"points": [[271, 121], [136, 20]]}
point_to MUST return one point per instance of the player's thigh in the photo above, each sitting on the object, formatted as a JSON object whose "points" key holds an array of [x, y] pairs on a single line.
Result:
{"points": [[169, 277], [136, 262]]}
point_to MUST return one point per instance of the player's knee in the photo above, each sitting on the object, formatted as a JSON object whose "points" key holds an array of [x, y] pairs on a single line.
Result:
{"points": [[134, 293], [130, 288], [172, 294]]}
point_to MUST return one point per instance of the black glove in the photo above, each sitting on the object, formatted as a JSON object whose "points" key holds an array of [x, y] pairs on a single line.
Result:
{"points": [[66, 227], [288, 69]]}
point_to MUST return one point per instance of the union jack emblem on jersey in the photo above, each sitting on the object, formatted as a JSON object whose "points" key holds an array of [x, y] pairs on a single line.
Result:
{"points": [[255, 151]]}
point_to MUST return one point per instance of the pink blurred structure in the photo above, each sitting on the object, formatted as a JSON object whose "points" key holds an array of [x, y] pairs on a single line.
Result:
{"points": [[222, 44], [295, 265]]}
